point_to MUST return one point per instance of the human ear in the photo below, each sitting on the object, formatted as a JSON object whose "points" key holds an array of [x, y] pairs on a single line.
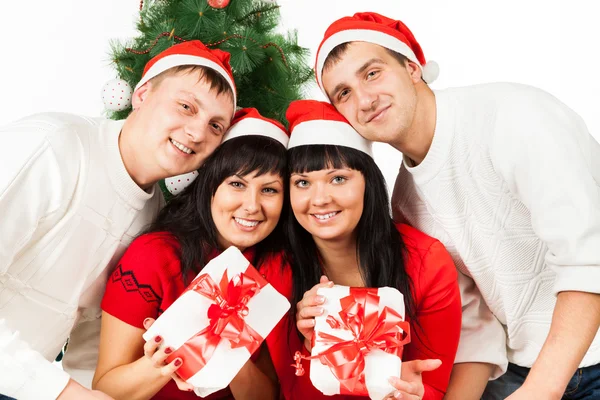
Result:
{"points": [[140, 95], [414, 70]]}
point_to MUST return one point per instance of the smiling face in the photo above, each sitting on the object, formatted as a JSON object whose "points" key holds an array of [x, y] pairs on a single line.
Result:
{"points": [[246, 209], [374, 91], [175, 125], [328, 203]]}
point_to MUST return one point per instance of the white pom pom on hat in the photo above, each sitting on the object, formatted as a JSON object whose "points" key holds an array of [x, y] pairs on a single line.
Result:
{"points": [[377, 29], [431, 71]]}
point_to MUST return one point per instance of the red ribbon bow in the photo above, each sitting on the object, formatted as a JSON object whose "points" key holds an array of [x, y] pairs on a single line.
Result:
{"points": [[226, 316], [370, 330]]}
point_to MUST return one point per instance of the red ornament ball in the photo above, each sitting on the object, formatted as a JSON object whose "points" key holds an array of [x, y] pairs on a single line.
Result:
{"points": [[218, 3]]}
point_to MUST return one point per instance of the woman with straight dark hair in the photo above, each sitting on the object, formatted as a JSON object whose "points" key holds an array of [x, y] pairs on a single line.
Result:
{"points": [[341, 232], [236, 200]]}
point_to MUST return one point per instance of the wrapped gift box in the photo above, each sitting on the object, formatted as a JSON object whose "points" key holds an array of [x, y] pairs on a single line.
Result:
{"points": [[358, 341], [219, 321]]}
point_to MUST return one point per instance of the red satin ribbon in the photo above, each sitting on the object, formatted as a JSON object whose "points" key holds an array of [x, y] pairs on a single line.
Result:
{"points": [[371, 330], [226, 319]]}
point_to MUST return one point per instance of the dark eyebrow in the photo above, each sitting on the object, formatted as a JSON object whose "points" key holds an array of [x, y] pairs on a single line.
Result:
{"points": [[270, 183], [359, 71], [333, 171], [302, 175], [245, 181], [220, 118], [368, 64]]}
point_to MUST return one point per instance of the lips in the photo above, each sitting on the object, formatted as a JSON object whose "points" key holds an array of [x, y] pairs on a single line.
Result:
{"points": [[377, 113], [324, 217], [247, 225]]}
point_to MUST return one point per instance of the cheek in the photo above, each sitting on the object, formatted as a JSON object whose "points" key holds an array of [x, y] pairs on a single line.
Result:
{"points": [[298, 200], [273, 208], [348, 110]]}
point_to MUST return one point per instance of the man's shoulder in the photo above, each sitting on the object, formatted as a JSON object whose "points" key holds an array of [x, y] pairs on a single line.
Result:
{"points": [[503, 94], [65, 133]]}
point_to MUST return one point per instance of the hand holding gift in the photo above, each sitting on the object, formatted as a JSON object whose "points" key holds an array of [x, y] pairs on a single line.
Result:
{"points": [[219, 321], [158, 357], [360, 333], [309, 308]]}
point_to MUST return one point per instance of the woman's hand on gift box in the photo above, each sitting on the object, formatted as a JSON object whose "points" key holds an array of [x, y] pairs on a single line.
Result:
{"points": [[308, 308], [410, 385], [158, 358]]}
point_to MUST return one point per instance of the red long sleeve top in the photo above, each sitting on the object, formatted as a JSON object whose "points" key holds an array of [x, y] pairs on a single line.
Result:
{"points": [[438, 312], [145, 283]]}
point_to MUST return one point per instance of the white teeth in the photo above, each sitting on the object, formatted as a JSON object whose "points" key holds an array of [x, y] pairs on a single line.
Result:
{"points": [[181, 147], [325, 216], [245, 222]]}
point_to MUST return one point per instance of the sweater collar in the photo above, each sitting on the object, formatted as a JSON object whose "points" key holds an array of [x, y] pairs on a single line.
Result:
{"points": [[124, 185], [440, 146]]}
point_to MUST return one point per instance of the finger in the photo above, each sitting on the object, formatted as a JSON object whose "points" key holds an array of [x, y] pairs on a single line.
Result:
{"points": [[183, 385], [305, 324], [403, 386], [148, 323], [426, 365], [397, 394], [324, 279], [309, 312], [170, 368], [313, 290], [310, 301], [151, 345], [160, 356]]}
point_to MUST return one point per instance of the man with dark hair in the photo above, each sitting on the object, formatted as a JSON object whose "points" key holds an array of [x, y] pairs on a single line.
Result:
{"points": [[74, 192], [508, 178]]}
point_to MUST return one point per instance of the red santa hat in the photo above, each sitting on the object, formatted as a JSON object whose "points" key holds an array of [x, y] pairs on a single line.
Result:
{"points": [[192, 52], [374, 28], [316, 122], [248, 121]]}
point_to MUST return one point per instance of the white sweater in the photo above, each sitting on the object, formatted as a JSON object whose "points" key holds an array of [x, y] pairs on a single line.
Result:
{"points": [[511, 186], [68, 210]]}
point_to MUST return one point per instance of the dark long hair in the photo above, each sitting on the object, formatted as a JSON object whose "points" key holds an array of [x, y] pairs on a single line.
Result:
{"points": [[380, 249], [188, 216]]}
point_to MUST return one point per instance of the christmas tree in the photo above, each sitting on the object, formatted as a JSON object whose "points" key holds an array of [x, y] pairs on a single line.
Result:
{"points": [[270, 68]]}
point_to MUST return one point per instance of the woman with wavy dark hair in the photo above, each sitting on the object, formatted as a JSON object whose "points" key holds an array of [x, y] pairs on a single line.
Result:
{"points": [[236, 200], [341, 232]]}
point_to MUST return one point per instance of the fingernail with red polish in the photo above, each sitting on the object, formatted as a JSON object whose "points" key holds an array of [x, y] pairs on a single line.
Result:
{"points": [[168, 350], [157, 339], [178, 362]]}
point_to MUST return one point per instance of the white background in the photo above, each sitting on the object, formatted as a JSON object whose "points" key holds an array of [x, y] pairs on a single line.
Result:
{"points": [[54, 54]]}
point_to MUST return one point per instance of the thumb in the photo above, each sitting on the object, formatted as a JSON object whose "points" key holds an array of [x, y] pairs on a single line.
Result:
{"points": [[324, 279], [148, 323], [426, 365]]}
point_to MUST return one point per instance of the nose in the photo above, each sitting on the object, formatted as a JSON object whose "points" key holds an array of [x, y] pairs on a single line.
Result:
{"points": [[251, 202], [321, 195], [197, 129], [367, 100]]}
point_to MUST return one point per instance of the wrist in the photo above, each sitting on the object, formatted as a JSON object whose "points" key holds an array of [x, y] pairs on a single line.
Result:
{"points": [[73, 390], [544, 389]]}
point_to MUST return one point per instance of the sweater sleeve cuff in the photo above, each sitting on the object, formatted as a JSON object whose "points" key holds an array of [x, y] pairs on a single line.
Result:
{"points": [[44, 382], [579, 279]]}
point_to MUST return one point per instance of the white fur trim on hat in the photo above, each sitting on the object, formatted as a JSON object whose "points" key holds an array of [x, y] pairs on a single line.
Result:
{"points": [[369, 36], [176, 60], [335, 133], [255, 126]]}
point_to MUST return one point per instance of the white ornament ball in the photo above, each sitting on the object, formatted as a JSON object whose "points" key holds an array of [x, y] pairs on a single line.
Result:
{"points": [[176, 184], [116, 95]]}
